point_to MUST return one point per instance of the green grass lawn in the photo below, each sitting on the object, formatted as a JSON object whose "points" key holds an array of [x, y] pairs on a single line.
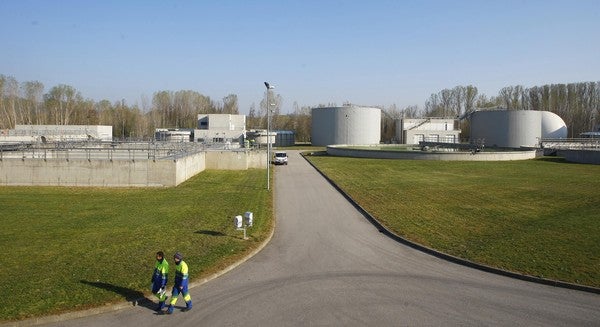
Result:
{"points": [[537, 217], [73, 248]]}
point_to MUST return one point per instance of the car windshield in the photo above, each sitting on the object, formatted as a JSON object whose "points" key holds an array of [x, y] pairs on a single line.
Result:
{"points": [[280, 155]]}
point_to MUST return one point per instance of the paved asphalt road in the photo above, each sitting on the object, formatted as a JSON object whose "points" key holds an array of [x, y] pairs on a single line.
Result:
{"points": [[327, 265]]}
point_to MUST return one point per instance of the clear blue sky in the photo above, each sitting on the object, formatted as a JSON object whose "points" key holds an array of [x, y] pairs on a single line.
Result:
{"points": [[364, 52]]}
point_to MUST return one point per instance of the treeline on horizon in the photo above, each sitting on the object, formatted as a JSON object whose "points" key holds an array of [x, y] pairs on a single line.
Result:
{"points": [[578, 104]]}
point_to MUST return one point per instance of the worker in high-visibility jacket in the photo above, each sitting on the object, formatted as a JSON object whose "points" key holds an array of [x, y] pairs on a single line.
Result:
{"points": [[181, 284], [160, 277]]}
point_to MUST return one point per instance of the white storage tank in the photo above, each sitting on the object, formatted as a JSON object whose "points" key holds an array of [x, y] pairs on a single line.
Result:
{"points": [[515, 128], [553, 127], [346, 125]]}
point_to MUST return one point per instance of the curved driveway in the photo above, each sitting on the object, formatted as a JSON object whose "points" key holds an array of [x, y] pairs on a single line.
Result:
{"points": [[327, 265]]}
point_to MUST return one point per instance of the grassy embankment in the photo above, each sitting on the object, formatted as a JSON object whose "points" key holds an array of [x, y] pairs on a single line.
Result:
{"points": [[73, 248], [537, 217]]}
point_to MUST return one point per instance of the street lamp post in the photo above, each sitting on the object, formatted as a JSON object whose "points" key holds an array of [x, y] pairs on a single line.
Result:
{"points": [[269, 87]]}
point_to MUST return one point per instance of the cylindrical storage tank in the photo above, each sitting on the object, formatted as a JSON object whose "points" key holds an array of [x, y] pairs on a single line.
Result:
{"points": [[489, 127], [553, 127], [346, 125], [512, 128], [524, 128]]}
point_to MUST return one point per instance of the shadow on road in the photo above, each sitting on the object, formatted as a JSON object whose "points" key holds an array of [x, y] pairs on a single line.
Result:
{"points": [[130, 295]]}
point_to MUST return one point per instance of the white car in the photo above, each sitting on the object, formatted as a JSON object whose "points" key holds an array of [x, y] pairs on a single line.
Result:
{"points": [[280, 158]]}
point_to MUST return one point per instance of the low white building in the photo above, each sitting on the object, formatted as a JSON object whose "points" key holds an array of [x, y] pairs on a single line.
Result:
{"points": [[58, 133], [258, 137], [414, 130], [221, 128], [173, 134]]}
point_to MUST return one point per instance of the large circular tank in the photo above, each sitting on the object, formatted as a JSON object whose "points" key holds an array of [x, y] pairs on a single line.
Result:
{"points": [[515, 128], [346, 125]]}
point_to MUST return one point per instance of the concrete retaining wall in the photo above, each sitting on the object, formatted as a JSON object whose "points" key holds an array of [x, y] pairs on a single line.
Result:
{"points": [[122, 173], [235, 160], [188, 166], [424, 155], [581, 156], [81, 172]]}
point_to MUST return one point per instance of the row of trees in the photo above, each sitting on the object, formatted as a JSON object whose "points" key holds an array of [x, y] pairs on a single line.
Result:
{"points": [[578, 104], [26, 103]]}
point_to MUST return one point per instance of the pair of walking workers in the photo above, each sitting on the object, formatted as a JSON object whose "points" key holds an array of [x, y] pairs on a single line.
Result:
{"points": [[160, 277]]}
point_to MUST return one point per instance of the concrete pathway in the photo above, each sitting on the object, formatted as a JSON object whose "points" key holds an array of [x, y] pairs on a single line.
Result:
{"points": [[327, 265]]}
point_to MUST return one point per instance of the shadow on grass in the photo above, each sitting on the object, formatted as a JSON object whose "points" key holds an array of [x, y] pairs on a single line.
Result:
{"points": [[553, 159], [130, 295], [210, 232]]}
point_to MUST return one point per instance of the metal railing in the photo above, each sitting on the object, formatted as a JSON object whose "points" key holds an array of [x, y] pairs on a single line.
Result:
{"points": [[432, 143], [570, 143], [96, 150]]}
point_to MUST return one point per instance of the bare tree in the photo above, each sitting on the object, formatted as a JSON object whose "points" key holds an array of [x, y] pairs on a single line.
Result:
{"points": [[518, 98], [411, 112], [253, 119], [446, 102], [535, 102], [5, 116], [11, 95], [230, 104], [432, 106], [34, 95], [458, 100], [303, 121], [470, 96], [61, 102], [185, 108], [162, 102], [506, 95]]}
